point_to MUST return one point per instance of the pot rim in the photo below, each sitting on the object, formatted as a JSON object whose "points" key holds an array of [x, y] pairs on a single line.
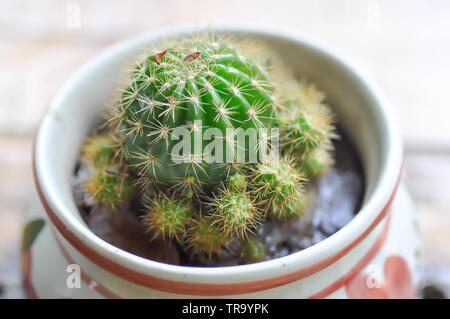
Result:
{"points": [[230, 279]]}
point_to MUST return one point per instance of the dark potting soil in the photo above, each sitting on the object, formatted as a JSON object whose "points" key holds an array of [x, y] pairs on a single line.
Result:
{"points": [[334, 199]]}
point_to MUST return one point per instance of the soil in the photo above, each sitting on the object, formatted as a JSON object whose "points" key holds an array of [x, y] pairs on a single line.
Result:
{"points": [[335, 198]]}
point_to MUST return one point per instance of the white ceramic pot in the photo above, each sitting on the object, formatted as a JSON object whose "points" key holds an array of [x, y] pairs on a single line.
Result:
{"points": [[374, 255]]}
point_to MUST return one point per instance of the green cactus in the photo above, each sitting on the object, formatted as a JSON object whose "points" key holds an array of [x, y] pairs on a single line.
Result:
{"points": [[306, 126], [168, 217], [235, 212], [187, 84], [253, 252], [204, 238], [109, 186], [296, 206], [316, 162], [218, 191], [98, 150], [299, 135], [277, 184]]}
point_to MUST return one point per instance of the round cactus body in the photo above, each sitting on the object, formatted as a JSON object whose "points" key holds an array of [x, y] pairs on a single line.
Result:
{"points": [[176, 95], [205, 238], [234, 212], [277, 183], [295, 205], [253, 252], [316, 162], [98, 150], [109, 186], [299, 135], [306, 130], [168, 218]]}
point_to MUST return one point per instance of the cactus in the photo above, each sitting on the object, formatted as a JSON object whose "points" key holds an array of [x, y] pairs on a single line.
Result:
{"points": [[316, 162], [184, 85], [215, 193], [253, 252], [168, 218], [204, 238], [98, 150], [299, 135], [109, 186], [306, 136], [296, 206], [277, 183], [234, 212]]}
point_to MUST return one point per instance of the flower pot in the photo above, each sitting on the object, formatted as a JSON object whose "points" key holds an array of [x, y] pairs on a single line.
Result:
{"points": [[374, 255]]}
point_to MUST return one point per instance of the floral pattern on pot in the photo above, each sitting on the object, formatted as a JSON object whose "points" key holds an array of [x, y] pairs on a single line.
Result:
{"points": [[397, 282], [30, 233]]}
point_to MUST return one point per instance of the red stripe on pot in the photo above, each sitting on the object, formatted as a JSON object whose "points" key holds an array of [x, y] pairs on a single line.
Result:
{"points": [[373, 251], [26, 259], [192, 288]]}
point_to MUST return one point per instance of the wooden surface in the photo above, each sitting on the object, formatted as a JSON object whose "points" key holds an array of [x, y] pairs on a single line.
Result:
{"points": [[403, 45]]}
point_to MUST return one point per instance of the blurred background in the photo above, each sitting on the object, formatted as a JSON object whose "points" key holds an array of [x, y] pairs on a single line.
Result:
{"points": [[404, 45]]}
